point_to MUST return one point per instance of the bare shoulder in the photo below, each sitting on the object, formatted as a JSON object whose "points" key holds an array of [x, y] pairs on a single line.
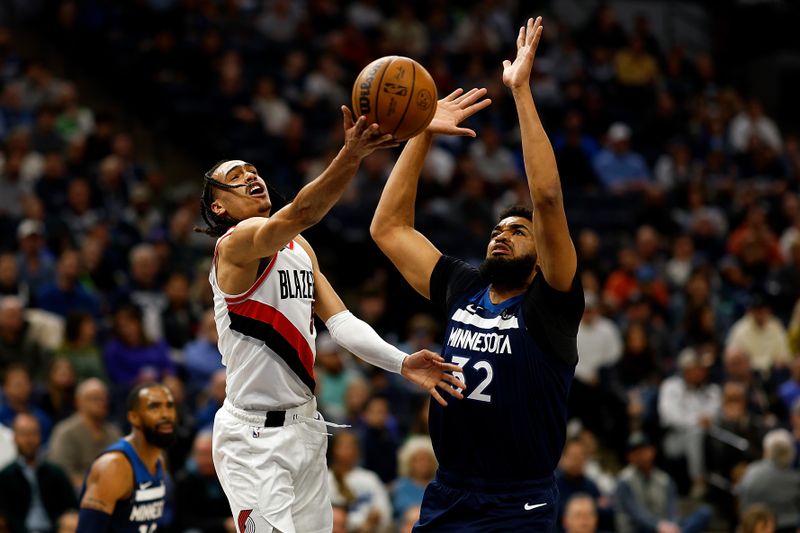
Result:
{"points": [[110, 479]]}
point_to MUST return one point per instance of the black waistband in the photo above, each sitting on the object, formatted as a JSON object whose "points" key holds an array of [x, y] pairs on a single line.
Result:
{"points": [[490, 486], [274, 419]]}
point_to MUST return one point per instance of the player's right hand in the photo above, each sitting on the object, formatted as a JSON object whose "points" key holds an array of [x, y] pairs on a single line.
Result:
{"points": [[429, 370], [361, 139]]}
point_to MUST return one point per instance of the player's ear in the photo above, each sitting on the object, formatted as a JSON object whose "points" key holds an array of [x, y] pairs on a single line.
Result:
{"points": [[134, 419], [217, 208]]}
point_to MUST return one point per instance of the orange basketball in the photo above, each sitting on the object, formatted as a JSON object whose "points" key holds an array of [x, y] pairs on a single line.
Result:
{"points": [[398, 94]]}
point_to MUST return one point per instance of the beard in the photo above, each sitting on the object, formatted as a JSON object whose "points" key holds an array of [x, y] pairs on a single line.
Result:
{"points": [[157, 438], [507, 273]]}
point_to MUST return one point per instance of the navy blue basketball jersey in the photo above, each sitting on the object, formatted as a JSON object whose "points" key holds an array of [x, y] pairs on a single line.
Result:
{"points": [[141, 512], [518, 359]]}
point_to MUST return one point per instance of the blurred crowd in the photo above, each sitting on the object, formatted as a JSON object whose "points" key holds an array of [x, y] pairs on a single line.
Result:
{"points": [[681, 191]]}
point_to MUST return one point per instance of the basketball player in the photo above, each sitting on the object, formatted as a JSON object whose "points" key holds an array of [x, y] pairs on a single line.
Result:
{"points": [[124, 490], [269, 440], [512, 327]]}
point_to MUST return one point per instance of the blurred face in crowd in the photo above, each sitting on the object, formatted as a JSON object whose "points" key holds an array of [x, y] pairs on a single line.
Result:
{"points": [[92, 399], [345, 450], [241, 203], [734, 401], [422, 465], [695, 374], [128, 326], [17, 387], [761, 315], [144, 265], [573, 459], [177, 289], [8, 270], [62, 374], [69, 267], [203, 458], [376, 413], [643, 457], [737, 365], [511, 254], [27, 436], [11, 316], [580, 516], [154, 415]]}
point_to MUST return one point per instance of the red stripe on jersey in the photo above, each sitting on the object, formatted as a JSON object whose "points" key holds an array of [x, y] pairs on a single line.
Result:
{"points": [[291, 245], [269, 315], [258, 282]]}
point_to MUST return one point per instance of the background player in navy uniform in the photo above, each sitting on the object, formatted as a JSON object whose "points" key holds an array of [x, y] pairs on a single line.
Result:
{"points": [[512, 327], [124, 489]]}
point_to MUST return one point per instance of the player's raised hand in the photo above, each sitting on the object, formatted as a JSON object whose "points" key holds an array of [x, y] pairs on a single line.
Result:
{"points": [[429, 370], [361, 139], [518, 73], [455, 108]]}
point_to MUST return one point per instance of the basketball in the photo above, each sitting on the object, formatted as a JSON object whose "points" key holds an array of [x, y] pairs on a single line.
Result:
{"points": [[398, 94]]}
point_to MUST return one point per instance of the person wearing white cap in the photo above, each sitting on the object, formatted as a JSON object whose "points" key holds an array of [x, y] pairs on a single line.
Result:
{"points": [[619, 168]]}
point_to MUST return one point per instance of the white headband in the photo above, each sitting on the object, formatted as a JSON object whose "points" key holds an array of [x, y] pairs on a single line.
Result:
{"points": [[227, 166]]}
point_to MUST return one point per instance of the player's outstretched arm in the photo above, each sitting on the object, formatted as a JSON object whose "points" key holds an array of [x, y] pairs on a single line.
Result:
{"points": [[392, 226], [258, 237], [425, 368], [110, 479], [557, 257]]}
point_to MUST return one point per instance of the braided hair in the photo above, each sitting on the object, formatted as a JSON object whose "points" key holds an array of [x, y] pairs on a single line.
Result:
{"points": [[217, 224]]}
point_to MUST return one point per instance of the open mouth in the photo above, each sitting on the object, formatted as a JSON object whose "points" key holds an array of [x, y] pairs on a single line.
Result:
{"points": [[165, 428], [256, 189]]}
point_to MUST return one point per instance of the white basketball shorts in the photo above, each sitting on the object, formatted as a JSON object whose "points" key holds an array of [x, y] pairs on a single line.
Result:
{"points": [[275, 478]]}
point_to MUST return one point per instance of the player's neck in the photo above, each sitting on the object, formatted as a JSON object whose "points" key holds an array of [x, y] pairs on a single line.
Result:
{"points": [[499, 294], [148, 453]]}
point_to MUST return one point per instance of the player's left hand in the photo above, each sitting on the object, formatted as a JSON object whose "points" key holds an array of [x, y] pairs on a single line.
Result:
{"points": [[429, 370], [454, 109], [518, 73]]}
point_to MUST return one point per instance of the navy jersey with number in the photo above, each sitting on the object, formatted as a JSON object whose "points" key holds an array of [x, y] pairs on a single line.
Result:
{"points": [[141, 512], [518, 359]]}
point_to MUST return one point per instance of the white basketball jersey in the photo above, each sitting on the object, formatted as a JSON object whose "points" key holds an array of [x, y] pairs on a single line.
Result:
{"points": [[266, 335]]}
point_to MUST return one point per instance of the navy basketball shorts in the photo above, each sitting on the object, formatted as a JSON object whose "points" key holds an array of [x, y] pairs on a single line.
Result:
{"points": [[455, 504]]}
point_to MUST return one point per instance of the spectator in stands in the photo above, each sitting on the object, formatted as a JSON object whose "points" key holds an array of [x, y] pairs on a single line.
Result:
{"points": [[773, 482], [80, 346], [57, 399], [201, 356], [379, 438], [571, 479], [130, 356], [751, 122], [762, 336], [8, 450], [599, 349], [620, 169], [334, 372], [417, 467], [687, 403], [733, 440], [789, 390], [78, 440], [36, 263], [211, 401], [67, 293], [18, 343], [180, 319], [367, 501], [647, 499], [145, 289], [10, 284], [757, 518], [200, 503], [622, 282], [33, 493], [17, 393], [580, 514], [737, 368]]}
